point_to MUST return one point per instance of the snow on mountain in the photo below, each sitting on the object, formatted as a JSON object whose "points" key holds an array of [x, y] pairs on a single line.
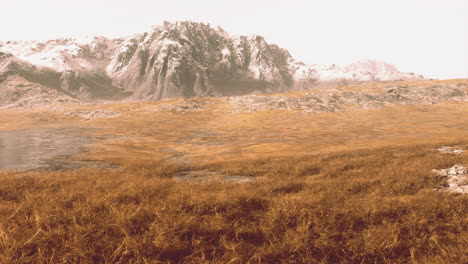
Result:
{"points": [[373, 66], [380, 70], [60, 54], [187, 59], [334, 72], [182, 59]]}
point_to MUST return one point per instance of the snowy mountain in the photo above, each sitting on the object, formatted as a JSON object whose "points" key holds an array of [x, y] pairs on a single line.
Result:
{"points": [[192, 59], [380, 70], [183, 59]]}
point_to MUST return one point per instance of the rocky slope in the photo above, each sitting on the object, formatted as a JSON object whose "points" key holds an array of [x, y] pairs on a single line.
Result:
{"points": [[192, 59], [336, 100], [184, 59]]}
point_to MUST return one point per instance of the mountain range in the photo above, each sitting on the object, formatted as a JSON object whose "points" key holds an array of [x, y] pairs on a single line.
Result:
{"points": [[182, 59]]}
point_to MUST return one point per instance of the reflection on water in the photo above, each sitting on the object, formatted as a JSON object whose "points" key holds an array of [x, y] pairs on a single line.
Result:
{"points": [[29, 149], [194, 176]]}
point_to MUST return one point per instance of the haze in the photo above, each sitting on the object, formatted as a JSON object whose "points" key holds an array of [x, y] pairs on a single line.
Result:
{"points": [[426, 37]]}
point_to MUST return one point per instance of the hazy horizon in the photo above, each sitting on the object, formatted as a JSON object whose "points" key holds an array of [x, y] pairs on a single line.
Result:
{"points": [[425, 37]]}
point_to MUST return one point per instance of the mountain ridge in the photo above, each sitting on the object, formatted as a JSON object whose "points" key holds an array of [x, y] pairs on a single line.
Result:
{"points": [[182, 59]]}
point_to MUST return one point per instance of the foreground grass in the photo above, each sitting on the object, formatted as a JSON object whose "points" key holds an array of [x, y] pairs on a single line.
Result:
{"points": [[366, 206]]}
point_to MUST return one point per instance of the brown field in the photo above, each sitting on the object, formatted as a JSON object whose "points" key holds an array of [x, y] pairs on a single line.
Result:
{"points": [[344, 187]]}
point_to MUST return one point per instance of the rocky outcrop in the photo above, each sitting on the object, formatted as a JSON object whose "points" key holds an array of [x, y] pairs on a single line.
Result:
{"points": [[334, 100], [456, 179], [450, 150], [93, 114]]}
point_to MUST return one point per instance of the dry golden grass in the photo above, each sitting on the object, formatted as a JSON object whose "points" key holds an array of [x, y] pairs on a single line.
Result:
{"points": [[366, 206], [210, 135], [349, 187]]}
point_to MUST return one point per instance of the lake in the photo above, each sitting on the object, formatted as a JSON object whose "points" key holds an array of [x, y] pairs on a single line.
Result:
{"points": [[35, 148]]}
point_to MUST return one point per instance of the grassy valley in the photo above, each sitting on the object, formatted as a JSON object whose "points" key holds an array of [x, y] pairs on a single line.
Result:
{"points": [[342, 186]]}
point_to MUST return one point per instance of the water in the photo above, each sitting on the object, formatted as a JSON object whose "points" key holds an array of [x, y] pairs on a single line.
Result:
{"points": [[36, 148], [206, 176]]}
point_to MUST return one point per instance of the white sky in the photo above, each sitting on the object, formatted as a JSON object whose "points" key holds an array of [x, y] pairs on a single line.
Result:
{"points": [[429, 37]]}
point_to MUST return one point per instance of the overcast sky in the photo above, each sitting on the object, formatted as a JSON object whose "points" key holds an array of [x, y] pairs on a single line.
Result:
{"points": [[429, 37]]}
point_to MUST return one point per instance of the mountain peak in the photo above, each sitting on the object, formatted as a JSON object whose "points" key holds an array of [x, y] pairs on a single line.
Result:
{"points": [[373, 66]]}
